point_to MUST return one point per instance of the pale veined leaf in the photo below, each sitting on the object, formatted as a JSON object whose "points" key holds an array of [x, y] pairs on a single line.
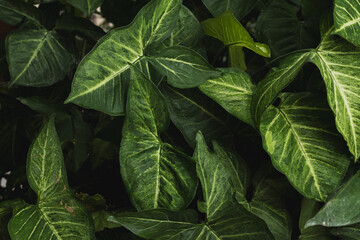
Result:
{"points": [[57, 214], [37, 58], [308, 149], [13, 12], [156, 174], [347, 20]]}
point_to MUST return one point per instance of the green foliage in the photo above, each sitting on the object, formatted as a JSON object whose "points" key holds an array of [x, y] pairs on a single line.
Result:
{"points": [[179, 119]]}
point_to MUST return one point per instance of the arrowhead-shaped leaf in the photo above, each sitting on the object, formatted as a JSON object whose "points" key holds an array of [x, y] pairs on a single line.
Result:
{"points": [[13, 12], [275, 81], [233, 91], [31, 50], [336, 59], [307, 150], [155, 173], [339, 210], [183, 67], [239, 7], [347, 20], [99, 73], [57, 214]]}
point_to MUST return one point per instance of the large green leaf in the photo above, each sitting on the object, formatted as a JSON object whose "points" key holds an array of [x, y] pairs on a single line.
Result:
{"points": [[183, 67], [192, 111], [37, 58], [97, 83], [351, 232], [307, 150], [347, 20], [240, 7], [339, 210], [13, 12], [337, 61], [229, 30], [155, 173], [275, 81], [57, 214], [87, 6], [279, 26], [233, 91]]}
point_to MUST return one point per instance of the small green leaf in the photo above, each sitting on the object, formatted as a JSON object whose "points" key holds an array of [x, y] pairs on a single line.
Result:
{"points": [[307, 150], [233, 91], [240, 7], [155, 173], [183, 67], [86, 6], [13, 12], [57, 213], [37, 58], [347, 20], [339, 210]]}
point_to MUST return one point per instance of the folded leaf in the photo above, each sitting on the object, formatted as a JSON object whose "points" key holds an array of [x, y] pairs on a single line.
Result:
{"points": [[155, 173], [13, 12], [233, 91], [37, 58], [240, 7], [100, 72], [87, 6], [307, 150], [347, 20], [183, 67], [275, 81], [339, 210], [57, 213]]}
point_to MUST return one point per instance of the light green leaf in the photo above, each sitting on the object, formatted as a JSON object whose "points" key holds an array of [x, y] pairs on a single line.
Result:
{"points": [[155, 173], [275, 81], [97, 83], [336, 59], [192, 111], [13, 12], [239, 7], [307, 150], [57, 214], [347, 20], [86, 6], [233, 91], [183, 67], [229, 30], [37, 58], [339, 210], [101, 222]]}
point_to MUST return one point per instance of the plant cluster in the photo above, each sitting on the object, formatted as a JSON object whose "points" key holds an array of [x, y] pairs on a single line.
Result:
{"points": [[180, 120]]}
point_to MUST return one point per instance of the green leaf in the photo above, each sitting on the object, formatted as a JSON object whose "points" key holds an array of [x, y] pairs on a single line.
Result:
{"points": [[13, 12], [192, 111], [339, 210], [230, 32], [336, 59], [351, 232], [158, 224], [275, 81], [239, 7], [57, 213], [307, 150], [155, 173], [279, 26], [81, 26], [347, 20], [86, 6], [99, 73], [37, 58], [233, 91], [101, 222], [183, 67]]}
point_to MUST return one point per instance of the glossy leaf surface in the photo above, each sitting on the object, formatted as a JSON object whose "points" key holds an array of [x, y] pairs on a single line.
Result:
{"points": [[37, 58], [57, 214], [155, 173], [307, 150]]}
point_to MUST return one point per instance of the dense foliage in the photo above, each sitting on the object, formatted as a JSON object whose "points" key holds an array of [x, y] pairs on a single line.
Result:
{"points": [[212, 119]]}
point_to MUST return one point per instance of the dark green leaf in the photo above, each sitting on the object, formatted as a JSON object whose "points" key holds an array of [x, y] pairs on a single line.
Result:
{"points": [[240, 7], [86, 6], [155, 173], [37, 58], [351, 232], [13, 12], [308, 149]]}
